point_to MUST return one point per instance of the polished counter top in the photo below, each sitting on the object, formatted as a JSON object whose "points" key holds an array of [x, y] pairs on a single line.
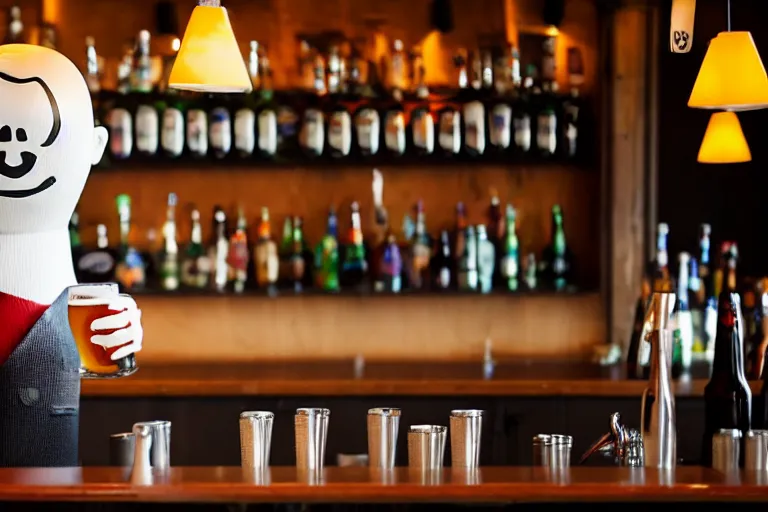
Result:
{"points": [[361, 485], [340, 378]]}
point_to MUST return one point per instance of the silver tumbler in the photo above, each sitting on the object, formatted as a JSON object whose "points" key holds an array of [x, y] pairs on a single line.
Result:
{"points": [[542, 449], [756, 450], [121, 448], [426, 447], [383, 426], [255, 438], [466, 426], [160, 442], [311, 431], [560, 455], [726, 450]]}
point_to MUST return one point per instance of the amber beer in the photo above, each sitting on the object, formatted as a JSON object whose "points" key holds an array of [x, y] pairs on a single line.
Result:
{"points": [[86, 304]]}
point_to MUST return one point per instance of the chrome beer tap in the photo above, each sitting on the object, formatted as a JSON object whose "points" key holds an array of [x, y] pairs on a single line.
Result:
{"points": [[624, 444], [657, 414]]}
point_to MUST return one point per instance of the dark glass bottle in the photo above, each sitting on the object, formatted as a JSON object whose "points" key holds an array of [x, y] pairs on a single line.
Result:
{"points": [[557, 260], [442, 263], [727, 397], [354, 268]]}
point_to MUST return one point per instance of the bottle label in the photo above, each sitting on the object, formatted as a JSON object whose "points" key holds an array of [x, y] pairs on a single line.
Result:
{"points": [[486, 257], [220, 131], [450, 131], [172, 136], [546, 135], [245, 128], [120, 133], [313, 131], [147, 136], [287, 122], [523, 132], [195, 271], [423, 131], [340, 132], [394, 132], [197, 132], [444, 278], [500, 126], [130, 272], [509, 267], [97, 262], [267, 262], [474, 126], [268, 132], [368, 128]]}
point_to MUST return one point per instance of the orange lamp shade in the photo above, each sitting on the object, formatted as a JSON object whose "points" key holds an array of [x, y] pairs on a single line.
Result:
{"points": [[209, 59], [724, 142], [732, 75]]}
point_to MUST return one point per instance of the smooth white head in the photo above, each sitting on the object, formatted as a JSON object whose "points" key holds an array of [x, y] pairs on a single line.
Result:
{"points": [[48, 141]]}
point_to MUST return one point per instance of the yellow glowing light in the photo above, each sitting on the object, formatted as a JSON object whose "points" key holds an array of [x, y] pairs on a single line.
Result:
{"points": [[724, 142], [209, 59], [176, 44], [552, 31], [732, 75]]}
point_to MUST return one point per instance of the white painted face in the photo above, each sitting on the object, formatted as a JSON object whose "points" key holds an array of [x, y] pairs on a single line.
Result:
{"points": [[48, 141]]}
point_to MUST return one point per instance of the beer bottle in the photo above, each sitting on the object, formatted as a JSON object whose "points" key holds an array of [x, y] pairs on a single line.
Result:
{"points": [[556, 258], [727, 397], [327, 257], [510, 259], [355, 267], [495, 229], [196, 268]]}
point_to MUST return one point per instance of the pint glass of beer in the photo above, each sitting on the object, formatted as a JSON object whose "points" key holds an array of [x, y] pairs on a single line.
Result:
{"points": [[86, 304]]}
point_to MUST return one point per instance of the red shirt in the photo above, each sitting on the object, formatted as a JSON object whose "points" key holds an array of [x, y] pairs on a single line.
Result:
{"points": [[17, 316]]}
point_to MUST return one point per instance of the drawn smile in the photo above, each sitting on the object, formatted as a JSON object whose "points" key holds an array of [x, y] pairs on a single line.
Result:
{"points": [[20, 194]]}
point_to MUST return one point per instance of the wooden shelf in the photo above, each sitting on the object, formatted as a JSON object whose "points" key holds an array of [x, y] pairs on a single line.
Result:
{"points": [[318, 294]]}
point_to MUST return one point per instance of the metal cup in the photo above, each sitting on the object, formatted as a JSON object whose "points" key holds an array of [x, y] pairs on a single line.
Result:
{"points": [[726, 450], [160, 443], [311, 431], [121, 448], [560, 454], [426, 446], [383, 426], [466, 428], [542, 449], [255, 438], [756, 450]]}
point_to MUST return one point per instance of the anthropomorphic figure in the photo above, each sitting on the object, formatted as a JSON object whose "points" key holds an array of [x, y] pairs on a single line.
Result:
{"points": [[48, 143]]}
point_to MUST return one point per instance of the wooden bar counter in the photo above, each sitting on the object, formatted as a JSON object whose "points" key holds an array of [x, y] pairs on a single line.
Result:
{"points": [[361, 485], [338, 378]]}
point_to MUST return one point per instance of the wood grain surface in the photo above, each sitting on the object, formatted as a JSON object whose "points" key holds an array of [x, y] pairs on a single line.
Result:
{"points": [[285, 484], [338, 378]]}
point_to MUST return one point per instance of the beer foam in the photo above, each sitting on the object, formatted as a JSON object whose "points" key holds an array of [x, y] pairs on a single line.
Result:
{"points": [[100, 291], [90, 301]]}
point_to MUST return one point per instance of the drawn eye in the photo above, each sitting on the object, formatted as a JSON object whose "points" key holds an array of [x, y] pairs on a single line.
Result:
{"points": [[21, 135], [5, 134]]}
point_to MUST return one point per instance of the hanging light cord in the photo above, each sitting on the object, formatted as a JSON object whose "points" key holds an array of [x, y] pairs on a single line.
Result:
{"points": [[728, 5]]}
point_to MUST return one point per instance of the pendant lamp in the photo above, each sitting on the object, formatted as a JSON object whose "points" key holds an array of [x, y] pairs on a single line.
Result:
{"points": [[724, 141], [732, 75], [209, 59]]}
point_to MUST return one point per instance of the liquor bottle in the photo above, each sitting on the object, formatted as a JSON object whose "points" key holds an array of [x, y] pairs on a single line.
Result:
{"points": [[14, 32], [312, 137], [661, 278], [285, 254], [486, 259], [442, 263], [556, 260], [706, 294], [459, 241], [759, 338], [354, 269], [421, 248], [98, 265], [422, 122], [531, 281], [74, 242], [495, 229], [196, 267], [727, 396], [238, 255], [119, 119], [572, 105], [521, 112], [510, 261], [197, 129], [169, 271], [298, 261], [637, 368], [683, 314], [473, 112], [394, 112], [546, 122], [697, 310], [266, 111], [245, 118], [327, 257], [219, 250], [93, 81], [390, 267], [146, 118], [339, 118], [130, 271], [265, 255], [500, 129], [220, 128], [367, 122], [468, 275]]}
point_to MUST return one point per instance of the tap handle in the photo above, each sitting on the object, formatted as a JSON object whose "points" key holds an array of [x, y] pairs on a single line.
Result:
{"points": [[598, 446]]}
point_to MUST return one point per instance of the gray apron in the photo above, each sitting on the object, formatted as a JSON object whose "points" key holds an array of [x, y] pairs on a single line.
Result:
{"points": [[40, 394]]}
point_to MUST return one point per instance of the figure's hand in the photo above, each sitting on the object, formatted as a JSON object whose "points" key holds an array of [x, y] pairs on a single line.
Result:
{"points": [[127, 324]]}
